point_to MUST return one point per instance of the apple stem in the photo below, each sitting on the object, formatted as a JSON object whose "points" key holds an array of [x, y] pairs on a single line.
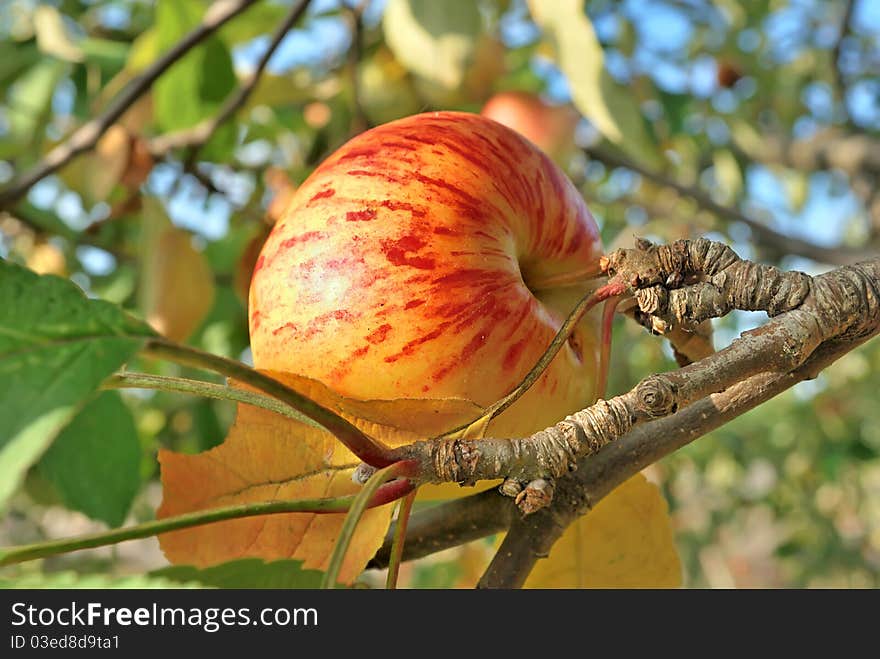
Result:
{"points": [[358, 442], [566, 278], [398, 470], [611, 289], [605, 350], [396, 557]]}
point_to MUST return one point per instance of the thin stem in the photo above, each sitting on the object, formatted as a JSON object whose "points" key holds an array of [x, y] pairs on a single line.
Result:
{"points": [[199, 134], [449, 524], [359, 120], [385, 494], [576, 278], [356, 511], [12, 555], [205, 389], [839, 84], [362, 445], [582, 307], [403, 514]]}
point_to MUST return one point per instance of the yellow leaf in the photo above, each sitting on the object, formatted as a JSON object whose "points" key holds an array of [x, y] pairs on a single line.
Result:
{"points": [[728, 175], [46, 259], [108, 162], [177, 285], [268, 457], [52, 35], [394, 422], [435, 40], [610, 106], [400, 422], [626, 541], [144, 51]]}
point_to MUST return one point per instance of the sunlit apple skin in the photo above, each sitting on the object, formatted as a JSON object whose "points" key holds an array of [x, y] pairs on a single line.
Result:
{"points": [[402, 269], [550, 127]]}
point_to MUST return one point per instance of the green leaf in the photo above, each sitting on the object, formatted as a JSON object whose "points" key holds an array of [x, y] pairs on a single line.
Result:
{"points": [[223, 254], [56, 347], [88, 581], [111, 56], [607, 104], [797, 188], [52, 35], [94, 464], [435, 40], [29, 99], [15, 58], [195, 87], [262, 18], [675, 109], [46, 220], [245, 573]]}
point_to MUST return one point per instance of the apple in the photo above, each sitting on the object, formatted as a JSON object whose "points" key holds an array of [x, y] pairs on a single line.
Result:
{"points": [[435, 257], [550, 127]]}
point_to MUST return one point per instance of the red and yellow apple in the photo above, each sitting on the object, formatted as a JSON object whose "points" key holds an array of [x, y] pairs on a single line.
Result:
{"points": [[550, 127], [432, 257]]}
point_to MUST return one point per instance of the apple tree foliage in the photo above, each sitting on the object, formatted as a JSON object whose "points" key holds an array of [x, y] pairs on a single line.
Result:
{"points": [[752, 123]]}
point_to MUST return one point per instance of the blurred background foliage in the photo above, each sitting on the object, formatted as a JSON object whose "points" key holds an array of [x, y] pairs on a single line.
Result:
{"points": [[752, 122]]}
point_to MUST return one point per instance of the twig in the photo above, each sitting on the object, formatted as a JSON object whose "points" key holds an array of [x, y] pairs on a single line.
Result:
{"points": [[836, 73], [448, 525], [195, 137], [784, 244], [87, 135], [397, 543], [359, 121], [398, 470]]}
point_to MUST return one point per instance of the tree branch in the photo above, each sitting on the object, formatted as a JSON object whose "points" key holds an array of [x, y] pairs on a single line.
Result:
{"points": [[199, 134], [784, 244], [470, 518], [836, 73], [841, 303], [449, 525], [830, 148], [87, 135], [531, 538]]}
